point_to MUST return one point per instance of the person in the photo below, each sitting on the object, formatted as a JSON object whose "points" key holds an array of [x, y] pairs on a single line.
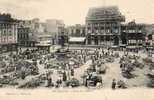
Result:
{"points": [[72, 72], [121, 84], [23, 75], [113, 84], [58, 83], [86, 82], [64, 76], [49, 80]]}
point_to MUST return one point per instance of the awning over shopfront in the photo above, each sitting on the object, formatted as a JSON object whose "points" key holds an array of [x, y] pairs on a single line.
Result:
{"points": [[132, 47], [45, 42], [114, 46], [43, 45], [150, 47], [77, 39], [122, 45]]}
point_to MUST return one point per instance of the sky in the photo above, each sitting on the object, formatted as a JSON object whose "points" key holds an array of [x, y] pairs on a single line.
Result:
{"points": [[75, 11]]}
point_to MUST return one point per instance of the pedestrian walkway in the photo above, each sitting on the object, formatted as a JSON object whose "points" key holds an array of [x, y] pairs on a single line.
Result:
{"points": [[80, 71], [113, 72]]}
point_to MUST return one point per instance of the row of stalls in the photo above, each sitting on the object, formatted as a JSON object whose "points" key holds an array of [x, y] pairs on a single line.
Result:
{"points": [[134, 48], [44, 47]]}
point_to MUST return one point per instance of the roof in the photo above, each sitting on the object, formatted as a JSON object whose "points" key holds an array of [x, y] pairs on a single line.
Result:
{"points": [[105, 13], [6, 18], [77, 39]]}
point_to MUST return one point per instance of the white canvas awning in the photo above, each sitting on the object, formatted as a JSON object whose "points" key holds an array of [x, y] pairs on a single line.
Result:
{"points": [[77, 39], [131, 47], [40, 44], [45, 42], [114, 46]]}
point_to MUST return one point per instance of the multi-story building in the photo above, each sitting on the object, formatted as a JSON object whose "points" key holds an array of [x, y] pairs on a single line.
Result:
{"points": [[76, 30], [28, 31], [8, 33], [56, 28], [25, 37], [103, 26], [150, 34], [133, 34], [46, 37], [52, 25]]}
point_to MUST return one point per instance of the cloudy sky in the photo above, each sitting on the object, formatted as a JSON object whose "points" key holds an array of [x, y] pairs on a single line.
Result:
{"points": [[74, 11]]}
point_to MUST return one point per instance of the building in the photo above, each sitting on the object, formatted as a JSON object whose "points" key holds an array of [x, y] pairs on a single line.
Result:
{"points": [[52, 25], [56, 28], [76, 34], [150, 34], [149, 28], [103, 26], [25, 37], [8, 33], [41, 32], [133, 35], [28, 31], [46, 37], [76, 30]]}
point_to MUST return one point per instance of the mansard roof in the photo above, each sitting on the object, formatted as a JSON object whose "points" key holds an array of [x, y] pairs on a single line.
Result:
{"points": [[105, 13]]}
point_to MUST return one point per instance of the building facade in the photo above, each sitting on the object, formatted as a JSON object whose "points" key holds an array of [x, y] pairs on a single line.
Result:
{"points": [[150, 35], [28, 31], [55, 28], [52, 25], [103, 26], [25, 37], [133, 34], [76, 30], [8, 33]]}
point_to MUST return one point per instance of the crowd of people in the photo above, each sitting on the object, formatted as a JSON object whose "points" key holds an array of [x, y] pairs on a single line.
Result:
{"points": [[59, 69]]}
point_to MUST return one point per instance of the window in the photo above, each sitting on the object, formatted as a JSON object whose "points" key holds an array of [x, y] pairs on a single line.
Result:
{"points": [[140, 31], [116, 30], [102, 31], [107, 30], [4, 32], [89, 31]]}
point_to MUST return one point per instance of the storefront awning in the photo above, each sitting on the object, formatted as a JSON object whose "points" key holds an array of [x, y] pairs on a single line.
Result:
{"points": [[114, 46], [150, 47], [43, 45], [45, 42], [122, 45], [131, 47], [77, 39]]}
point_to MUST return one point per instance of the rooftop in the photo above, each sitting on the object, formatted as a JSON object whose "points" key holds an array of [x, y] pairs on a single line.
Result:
{"points": [[6, 18], [105, 13]]}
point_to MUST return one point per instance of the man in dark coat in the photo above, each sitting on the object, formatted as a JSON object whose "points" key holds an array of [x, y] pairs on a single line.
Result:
{"points": [[113, 84]]}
